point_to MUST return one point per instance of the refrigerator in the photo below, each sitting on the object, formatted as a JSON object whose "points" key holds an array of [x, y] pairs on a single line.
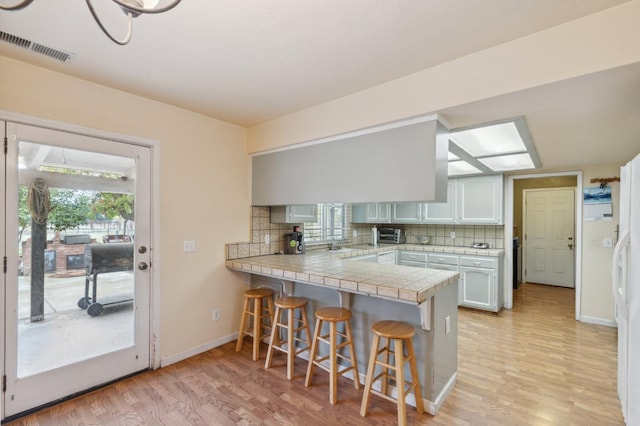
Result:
{"points": [[626, 291]]}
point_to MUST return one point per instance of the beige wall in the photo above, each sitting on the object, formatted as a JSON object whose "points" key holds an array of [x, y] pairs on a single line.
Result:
{"points": [[204, 191], [597, 42], [597, 295]]}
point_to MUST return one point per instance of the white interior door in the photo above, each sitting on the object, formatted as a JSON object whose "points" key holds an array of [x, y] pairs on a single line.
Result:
{"points": [[549, 224], [76, 301]]}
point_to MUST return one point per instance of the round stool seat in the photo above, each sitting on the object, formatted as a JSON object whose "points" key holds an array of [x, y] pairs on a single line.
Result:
{"points": [[291, 302], [333, 314], [390, 329], [258, 292]]}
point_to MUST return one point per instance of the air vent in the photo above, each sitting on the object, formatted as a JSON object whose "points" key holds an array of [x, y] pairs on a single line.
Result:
{"points": [[59, 55]]}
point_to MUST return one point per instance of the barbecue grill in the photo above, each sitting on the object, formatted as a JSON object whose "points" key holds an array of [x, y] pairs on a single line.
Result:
{"points": [[101, 259]]}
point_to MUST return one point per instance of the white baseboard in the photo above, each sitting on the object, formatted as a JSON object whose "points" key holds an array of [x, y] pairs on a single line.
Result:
{"points": [[172, 359], [598, 321]]}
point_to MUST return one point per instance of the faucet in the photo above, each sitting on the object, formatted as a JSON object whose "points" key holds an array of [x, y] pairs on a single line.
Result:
{"points": [[334, 243]]}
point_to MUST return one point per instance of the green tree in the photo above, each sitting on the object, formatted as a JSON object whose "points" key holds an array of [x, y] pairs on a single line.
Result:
{"points": [[115, 205], [69, 208]]}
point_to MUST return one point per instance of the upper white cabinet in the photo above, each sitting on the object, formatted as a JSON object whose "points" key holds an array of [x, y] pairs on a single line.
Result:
{"points": [[479, 200], [371, 213], [407, 213], [473, 200], [443, 212], [294, 214]]}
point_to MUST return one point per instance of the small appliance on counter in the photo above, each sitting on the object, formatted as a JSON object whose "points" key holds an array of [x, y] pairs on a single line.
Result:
{"points": [[391, 236], [477, 245], [294, 242]]}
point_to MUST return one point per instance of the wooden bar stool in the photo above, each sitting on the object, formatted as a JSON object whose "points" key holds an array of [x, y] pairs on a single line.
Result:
{"points": [[400, 333], [333, 316], [255, 313], [294, 326]]}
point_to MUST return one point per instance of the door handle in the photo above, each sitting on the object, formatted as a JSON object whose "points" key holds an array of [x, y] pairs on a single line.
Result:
{"points": [[570, 246], [143, 266]]}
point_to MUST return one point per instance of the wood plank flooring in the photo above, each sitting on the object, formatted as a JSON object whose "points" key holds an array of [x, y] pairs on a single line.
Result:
{"points": [[533, 365]]}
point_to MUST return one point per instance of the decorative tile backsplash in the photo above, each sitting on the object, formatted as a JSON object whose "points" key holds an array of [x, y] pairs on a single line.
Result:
{"points": [[261, 226]]}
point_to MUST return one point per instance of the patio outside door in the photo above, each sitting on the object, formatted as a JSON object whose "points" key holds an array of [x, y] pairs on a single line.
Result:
{"points": [[77, 280]]}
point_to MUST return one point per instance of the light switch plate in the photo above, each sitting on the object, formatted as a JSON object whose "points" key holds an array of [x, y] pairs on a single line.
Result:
{"points": [[607, 242], [189, 246]]}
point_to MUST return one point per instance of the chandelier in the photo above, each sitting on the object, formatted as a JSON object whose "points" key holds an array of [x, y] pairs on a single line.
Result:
{"points": [[131, 8]]}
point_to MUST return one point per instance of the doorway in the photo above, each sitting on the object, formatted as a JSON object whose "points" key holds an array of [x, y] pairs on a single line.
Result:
{"points": [[515, 186], [77, 240]]}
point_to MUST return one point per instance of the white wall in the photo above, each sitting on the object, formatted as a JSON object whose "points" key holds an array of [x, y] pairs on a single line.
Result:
{"points": [[204, 192]]}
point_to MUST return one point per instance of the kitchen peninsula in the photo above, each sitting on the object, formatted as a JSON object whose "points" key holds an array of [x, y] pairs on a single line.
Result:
{"points": [[425, 298]]}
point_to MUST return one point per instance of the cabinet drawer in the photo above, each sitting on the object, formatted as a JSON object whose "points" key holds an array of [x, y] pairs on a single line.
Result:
{"points": [[413, 256], [414, 264], [478, 262], [446, 259]]}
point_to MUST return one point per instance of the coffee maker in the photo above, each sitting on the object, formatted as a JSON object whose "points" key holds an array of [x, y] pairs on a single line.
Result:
{"points": [[294, 242]]}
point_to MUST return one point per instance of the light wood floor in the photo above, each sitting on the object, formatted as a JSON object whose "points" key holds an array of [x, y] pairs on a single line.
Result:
{"points": [[533, 365]]}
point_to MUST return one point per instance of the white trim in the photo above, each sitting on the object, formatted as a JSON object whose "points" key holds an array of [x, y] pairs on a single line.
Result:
{"points": [[359, 132], [599, 321], [508, 236], [172, 359]]}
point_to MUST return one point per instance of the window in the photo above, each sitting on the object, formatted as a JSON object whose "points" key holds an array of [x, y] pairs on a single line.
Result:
{"points": [[331, 224]]}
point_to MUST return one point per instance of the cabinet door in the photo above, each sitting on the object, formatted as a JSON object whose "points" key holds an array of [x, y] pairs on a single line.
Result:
{"points": [[384, 212], [442, 212], [478, 288], [364, 213], [302, 213], [407, 213], [480, 200]]}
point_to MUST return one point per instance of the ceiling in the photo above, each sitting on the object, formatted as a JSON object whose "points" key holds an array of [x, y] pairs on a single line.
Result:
{"points": [[250, 61]]}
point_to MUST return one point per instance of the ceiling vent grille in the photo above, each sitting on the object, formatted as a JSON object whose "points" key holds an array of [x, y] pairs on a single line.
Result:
{"points": [[59, 55]]}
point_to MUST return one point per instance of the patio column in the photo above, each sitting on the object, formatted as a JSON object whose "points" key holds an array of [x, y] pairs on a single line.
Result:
{"points": [[39, 205]]}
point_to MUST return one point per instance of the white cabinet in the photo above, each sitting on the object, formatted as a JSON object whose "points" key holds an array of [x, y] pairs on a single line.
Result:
{"points": [[481, 286], [412, 258], [407, 213], [372, 258], [294, 214], [475, 200], [371, 213], [479, 200], [443, 212], [387, 257]]}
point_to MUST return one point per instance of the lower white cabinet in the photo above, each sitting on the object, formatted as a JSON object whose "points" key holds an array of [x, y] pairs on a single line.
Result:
{"points": [[412, 258], [481, 283]]}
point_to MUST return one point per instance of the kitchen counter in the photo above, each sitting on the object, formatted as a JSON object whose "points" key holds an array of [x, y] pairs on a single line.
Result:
{"points": [[425, 298]]}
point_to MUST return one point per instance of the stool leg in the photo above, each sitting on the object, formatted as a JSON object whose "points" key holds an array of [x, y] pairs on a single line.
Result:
{"points": [[370, 373], [399, 358], [352, 355], [384, 386], [242, 324], [305, 326], [257, 327], [274, 332], [312, 355], [333, 364], [291, 352], [415, 379], [270, 310]]}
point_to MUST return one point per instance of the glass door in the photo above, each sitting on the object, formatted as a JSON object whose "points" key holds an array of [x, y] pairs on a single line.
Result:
{"points": [[78, 254]]}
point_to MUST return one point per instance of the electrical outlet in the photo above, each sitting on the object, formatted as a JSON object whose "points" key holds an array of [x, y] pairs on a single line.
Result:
{"points": [[215, 314], [447, 325], [267, 239], [355, 233], [453, 235], [607, 242]]}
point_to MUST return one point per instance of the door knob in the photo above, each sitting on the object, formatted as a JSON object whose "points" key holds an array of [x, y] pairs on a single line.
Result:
{"points": [[570, 238], [142, 250], [570, 246], [143, 266]]}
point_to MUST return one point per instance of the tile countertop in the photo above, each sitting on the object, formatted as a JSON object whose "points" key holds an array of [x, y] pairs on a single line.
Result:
{"points": [[335, 270]]}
